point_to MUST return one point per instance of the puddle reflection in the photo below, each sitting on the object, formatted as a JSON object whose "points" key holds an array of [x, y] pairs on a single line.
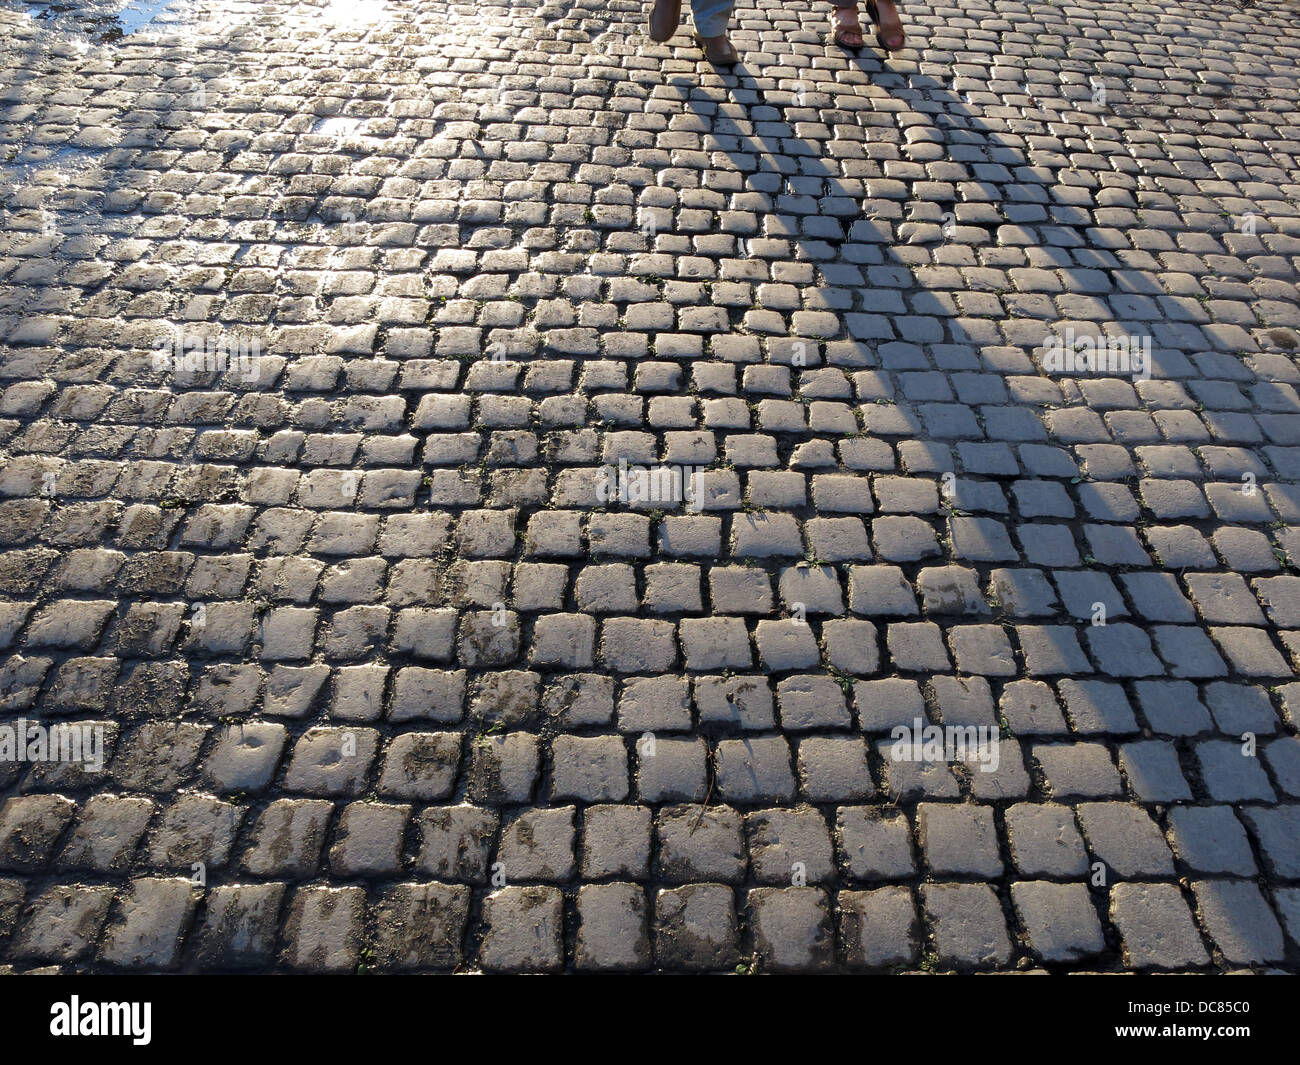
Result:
{"points": [[105, 23]]}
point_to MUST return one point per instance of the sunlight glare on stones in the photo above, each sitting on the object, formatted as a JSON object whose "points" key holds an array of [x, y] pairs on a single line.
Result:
{"points": [[353, 13]]}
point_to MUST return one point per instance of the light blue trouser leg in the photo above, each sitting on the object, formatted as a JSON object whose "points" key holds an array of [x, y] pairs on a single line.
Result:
{"points": [[711, 16]]}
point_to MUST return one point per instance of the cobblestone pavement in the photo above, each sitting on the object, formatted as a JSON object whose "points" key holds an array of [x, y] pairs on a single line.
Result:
{"points": [[388, 678]]}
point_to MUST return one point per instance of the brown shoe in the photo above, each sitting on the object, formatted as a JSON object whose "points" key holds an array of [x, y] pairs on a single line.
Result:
{"points": [[719, 50], [665, 17]]}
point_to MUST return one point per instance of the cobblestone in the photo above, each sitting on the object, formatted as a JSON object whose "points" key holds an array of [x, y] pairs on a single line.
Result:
{"points": [[523, 928], [1156, 926], [878, 927], [967, 924], [487, 496], [1059, 920]]}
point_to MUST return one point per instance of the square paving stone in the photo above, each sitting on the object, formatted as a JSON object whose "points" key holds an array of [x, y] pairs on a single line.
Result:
{"points": [[579, 699], [29, 827], [879, 590], [157, 757], [959, 839], [655, 704], [62, 923], [884, 704], [673, 770], [1156, 926], [1239, 921], [239, 927], [455, 842], [1231, 773], [421, 765], [700, 843], [745, 702], [917, 646], [1277, 834], [538, 844], [288, 838], [369, 839], [1097, 707], [1173, 708], [963, 701], [1051, 650], [792, 929], [998, 771], [878, 928], [616, 842], [812, 702], [1239, 708], [1044, 841], [983, 650], [968, 925], [1210, 839], [874, 844], [1078, 770], [151, 924], [1059, 920], [323, 930], [195, 829], [715, 644], [786, 644], [790, 847], [591, 769], [834, 769], [523, 929], [504, 767], [331, 761], [1030, 709], [245, 757], [1153, 771], [755, 770], [906, 779], [1126, 839], [612, 928], [851, 645], [695, 928]]}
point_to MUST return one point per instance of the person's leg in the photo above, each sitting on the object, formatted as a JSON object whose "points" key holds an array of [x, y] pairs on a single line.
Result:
{"points": [[711, 18]]}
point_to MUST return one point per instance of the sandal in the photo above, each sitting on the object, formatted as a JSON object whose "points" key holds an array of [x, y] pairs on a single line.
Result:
{"points": [[843, 30], [896, 35], [719, 50]]}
